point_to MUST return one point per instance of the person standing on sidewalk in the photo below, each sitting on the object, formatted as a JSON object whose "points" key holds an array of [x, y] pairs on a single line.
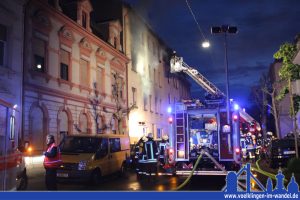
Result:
{"points": [[52, 161]]}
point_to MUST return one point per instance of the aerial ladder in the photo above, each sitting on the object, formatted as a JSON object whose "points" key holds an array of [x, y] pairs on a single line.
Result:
{"points": [[217, 96]]}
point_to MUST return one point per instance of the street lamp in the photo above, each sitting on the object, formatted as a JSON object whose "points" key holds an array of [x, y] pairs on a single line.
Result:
{"points": [[231, 30]]}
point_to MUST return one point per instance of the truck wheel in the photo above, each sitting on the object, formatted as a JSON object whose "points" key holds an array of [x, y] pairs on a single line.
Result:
{"points": [[95, 177]]}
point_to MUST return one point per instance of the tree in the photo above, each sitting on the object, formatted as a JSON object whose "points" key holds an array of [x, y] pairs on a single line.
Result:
{"points": [[270, 90], [259, 98], [260, 95], [95, 101], [117, 94], [289, 72]]}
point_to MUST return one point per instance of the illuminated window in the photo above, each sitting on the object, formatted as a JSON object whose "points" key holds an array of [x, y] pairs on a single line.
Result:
{"points": [[39, 53]]}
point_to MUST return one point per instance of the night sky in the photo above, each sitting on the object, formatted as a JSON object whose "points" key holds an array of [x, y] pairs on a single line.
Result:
{"points": [[263, 25]]}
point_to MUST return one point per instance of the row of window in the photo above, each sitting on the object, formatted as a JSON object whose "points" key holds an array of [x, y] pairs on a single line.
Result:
{"points": [[40, 55], [157, 101]]}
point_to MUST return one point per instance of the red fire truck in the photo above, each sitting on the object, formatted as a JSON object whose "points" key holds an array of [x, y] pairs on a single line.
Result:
{"points": [[202, 128]]}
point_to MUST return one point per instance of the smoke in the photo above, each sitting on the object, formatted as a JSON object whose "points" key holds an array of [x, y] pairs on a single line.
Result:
{"points": [[145, 51]]}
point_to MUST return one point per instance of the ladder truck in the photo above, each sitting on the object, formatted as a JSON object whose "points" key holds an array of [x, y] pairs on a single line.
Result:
{"points": [[202, 129]]}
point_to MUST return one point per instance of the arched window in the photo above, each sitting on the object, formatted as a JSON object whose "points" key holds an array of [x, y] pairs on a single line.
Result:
{"points": [[63, 122], [83, 123]]}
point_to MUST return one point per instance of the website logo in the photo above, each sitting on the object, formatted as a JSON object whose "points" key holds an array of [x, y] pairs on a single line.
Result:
{"points": [[238, 185]]}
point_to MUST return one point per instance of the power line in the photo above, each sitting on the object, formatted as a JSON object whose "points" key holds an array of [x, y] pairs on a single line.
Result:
{"points": [[192, 13]]}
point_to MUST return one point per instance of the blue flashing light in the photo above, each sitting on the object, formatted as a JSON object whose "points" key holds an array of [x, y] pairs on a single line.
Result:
{"points": [[169, 109], [236, 107]]}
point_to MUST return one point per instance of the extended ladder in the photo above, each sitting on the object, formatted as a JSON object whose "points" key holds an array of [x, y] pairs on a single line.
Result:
{"points": [[177, 65]]}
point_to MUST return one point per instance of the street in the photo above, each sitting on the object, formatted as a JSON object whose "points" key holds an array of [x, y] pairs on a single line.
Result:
{"points": [[130, 183]]}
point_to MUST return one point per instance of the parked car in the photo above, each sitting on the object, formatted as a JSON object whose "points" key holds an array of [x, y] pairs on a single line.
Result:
{"points": [[89, 157], [282, 150]]}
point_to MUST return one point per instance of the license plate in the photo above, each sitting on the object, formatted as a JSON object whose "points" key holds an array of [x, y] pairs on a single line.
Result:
{"points": [[63, 175], [289, 152]]}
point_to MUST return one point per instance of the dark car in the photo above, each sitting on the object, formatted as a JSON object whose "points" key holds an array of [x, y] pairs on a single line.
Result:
{"points": [[281, 151]]}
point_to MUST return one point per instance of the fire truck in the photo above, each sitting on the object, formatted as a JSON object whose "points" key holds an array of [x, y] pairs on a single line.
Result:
{"points": [[201, 128]]}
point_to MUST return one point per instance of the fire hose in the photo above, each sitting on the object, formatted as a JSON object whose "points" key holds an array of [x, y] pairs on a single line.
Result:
{"points": [[195, 166], [191, 174], [268, 174]]}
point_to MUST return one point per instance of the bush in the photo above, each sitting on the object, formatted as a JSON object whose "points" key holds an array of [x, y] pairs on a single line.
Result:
{"points": [[293, 165]]}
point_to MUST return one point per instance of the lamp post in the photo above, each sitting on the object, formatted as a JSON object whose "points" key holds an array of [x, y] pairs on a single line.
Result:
{"points": [[231, 30]]}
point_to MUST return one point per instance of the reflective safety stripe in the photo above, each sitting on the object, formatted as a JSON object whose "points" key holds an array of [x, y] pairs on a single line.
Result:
{"points": [[53, 162]]}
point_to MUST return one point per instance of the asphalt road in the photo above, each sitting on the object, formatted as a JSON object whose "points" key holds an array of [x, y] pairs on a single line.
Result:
{"points": [[130, 182]]}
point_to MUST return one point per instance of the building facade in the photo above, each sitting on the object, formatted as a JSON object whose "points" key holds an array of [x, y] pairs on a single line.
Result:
{"points": [[11, 65], [151, 86], [74, 82]]}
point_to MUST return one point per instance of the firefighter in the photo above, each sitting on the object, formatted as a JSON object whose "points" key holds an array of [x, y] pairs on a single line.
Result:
{"points": [[52, 161], [154, 146], [250, 146], [163, 146]]}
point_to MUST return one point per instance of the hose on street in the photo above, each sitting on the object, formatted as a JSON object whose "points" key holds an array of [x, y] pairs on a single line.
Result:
{"points": [[191, 174], [268, 174]]}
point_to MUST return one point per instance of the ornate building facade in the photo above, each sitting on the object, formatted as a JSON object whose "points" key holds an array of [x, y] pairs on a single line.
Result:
{"points": [[70, 74]]}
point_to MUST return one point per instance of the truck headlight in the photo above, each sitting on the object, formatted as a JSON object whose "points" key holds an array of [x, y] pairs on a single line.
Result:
{"points": [[82, 165]]}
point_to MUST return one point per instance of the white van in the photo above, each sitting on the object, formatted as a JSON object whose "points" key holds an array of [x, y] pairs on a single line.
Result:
{"points": [[87, 157]]}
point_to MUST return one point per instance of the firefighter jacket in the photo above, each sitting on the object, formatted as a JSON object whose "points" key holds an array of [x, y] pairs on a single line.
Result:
{"points": [[52, 157]]}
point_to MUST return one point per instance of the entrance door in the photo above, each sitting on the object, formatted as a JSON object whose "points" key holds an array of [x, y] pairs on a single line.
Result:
{"points": [[37, 130]]}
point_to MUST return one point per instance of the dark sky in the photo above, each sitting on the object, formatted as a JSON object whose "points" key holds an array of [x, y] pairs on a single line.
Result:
{"points": [[263, 26]]}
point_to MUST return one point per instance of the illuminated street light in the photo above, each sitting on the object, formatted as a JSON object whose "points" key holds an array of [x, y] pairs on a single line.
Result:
{"points": [[231, 30], [205, 44]]}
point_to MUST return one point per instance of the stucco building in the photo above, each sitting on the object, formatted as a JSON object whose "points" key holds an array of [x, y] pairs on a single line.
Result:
{"points": [[67, 70], [151, 86]]}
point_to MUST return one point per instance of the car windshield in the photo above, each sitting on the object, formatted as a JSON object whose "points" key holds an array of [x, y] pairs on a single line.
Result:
{"points": [[80, 145]]}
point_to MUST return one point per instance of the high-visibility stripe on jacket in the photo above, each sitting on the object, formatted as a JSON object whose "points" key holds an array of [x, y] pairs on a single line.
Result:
{"points": [[54, 162]]}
